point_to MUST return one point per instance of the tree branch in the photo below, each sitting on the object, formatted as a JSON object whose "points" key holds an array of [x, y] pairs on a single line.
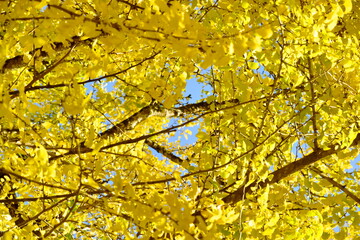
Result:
{"points": [[6, 172], [71, 209], [42, 74], [132, 6], [336, 184], [278, 175], [162, 150], [285, 171], [156, 109], [32, 199], [29, 88]]}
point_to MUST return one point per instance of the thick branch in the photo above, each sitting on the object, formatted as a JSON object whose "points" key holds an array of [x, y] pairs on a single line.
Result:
{"points": [[279, 174], [156, 109], [83, 149], [147, 136], [313, 100], [18, 61], [160, 149], [285, 171], [133, 120]]}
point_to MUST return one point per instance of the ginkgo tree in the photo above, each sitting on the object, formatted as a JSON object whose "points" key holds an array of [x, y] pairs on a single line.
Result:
{"points": [[92, 95]]}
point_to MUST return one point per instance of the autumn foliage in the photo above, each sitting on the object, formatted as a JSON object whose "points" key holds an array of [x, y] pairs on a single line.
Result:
{"points": [[93, 114]]}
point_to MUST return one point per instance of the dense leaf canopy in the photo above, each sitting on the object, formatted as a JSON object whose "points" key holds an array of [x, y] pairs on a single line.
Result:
{"points": [[92, 111]]}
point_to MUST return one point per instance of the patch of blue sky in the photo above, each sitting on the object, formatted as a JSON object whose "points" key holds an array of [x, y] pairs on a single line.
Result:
{"points": [[355, 163], [195, 91], [108, 86], [263, 73], [44, 8]]}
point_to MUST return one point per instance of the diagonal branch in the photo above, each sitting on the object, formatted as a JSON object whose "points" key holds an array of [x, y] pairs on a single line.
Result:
{"points": [[144, 137], [83, 149], [7, 172], [71, 210], [33, 199], [133, 120], [15, 93], [25, 222], [156, 109], [18, 61], [313, 101], [162, 150], [286, 171], [132, 6], [279, 174], [42, 74], [336, 184]]}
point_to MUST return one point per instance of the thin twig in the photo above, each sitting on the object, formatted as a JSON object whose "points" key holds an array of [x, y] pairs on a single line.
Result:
{"points": [[42, 74], [336, 184]]}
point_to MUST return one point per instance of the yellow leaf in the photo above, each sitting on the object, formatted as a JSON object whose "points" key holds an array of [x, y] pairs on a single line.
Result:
{"points": [[232, 216], [268, 231], [255, 43], [245, 4], [347, 63], [252, 223], [90, 138], [282, 9], [98, 146], [253, 65], [75, 101], [348, 6], [130, 190], [47, 125], [169, 102], [177, 176], [332, 24], [273, 220], [231, 48], [298, 81], [332, 18], [8, 235], [91, 182], [51, 170], [265, 31], [41, 155], [183, 76], [180, 237], [263, 199]]}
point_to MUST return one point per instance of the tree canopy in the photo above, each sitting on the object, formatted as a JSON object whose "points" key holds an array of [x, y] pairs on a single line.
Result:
{"points": [[92, 105]]}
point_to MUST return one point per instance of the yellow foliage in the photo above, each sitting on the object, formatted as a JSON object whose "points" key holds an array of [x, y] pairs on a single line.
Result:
{"points": [[179, 119]]}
